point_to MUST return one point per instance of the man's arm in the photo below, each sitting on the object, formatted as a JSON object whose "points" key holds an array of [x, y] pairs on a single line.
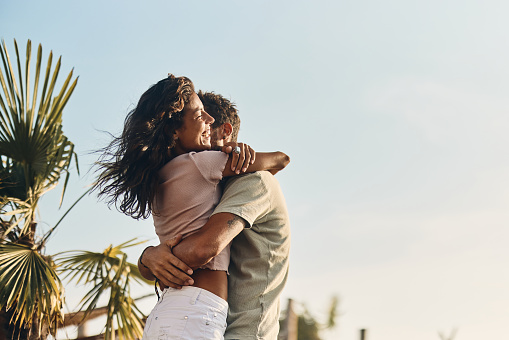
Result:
{"points": [[195, 250], [199, 248]]}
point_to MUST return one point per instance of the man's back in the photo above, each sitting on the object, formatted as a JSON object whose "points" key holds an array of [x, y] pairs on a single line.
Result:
{"points": [[259, 255]]}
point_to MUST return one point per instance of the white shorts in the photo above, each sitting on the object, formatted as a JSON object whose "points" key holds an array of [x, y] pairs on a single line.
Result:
{"points": [[189, 313]]}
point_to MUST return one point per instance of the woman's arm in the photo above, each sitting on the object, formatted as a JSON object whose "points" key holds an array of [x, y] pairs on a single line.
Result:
{"points": [[271, 161]]}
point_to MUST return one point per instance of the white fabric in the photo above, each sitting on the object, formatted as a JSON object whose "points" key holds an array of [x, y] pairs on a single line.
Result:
{"points": [[188, 314]]}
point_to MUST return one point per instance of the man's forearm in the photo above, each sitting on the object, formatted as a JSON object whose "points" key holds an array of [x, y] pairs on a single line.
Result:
{"points": [[199, 248]]}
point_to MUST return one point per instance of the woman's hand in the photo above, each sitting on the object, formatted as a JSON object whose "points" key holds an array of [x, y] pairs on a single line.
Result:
{"points": [[166, 267], [242, 156]]}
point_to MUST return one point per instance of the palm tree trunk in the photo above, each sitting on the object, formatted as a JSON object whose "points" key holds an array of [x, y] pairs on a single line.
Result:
{"points": [[4, 325], [7, 330], [34, 332]]}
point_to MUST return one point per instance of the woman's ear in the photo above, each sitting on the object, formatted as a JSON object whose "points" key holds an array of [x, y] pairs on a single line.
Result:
{"points": [[176, 135], [167, 132]]}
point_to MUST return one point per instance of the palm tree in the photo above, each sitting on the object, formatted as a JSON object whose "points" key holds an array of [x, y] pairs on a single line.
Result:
{"points": [[34, 150], [107, 272], [35, 154]]}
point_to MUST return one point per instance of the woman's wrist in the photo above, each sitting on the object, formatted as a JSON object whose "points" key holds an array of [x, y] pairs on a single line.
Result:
{"points": [[141, 257]]}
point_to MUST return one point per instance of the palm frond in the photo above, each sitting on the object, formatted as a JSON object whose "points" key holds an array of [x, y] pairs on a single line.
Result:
{"points": [[30, 286], [120, 307], [19, 212], [123, 312], [34, 150], [105, 272]]}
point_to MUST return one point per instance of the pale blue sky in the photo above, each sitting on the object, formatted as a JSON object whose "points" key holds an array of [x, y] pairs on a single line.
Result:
{"points": [[394, 114]]}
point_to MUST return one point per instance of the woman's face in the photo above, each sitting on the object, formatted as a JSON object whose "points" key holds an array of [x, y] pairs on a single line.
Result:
{"points": [[194, 135]]}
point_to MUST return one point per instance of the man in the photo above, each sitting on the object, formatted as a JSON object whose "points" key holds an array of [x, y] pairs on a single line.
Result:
{"points": [[253, 211]]}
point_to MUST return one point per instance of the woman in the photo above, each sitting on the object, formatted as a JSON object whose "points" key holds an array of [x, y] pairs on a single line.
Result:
{"points": [[157, 167]]}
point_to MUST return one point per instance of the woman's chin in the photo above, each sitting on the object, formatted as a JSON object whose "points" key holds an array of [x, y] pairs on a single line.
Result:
{"points": [[204, 147]]}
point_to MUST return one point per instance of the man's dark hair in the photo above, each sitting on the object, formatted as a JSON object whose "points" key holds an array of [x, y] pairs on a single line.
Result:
{"points": [[222, 110]]}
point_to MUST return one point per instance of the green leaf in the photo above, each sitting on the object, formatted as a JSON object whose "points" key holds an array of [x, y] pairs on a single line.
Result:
{"points": [[105, 272], [31, 286], [32, 143]]}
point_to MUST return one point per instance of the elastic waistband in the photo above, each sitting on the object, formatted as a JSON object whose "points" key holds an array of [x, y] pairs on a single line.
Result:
{"points": [[196, 294]]}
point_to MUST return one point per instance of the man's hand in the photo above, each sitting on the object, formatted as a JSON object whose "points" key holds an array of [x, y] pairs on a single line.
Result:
{"points": [[166, 267], [240, 161]]}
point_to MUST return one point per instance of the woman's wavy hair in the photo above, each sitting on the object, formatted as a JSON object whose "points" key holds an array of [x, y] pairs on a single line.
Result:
{"points": [[129, 164]]}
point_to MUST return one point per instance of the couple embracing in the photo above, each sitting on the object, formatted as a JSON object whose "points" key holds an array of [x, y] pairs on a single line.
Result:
{"points": [[177, 159]]}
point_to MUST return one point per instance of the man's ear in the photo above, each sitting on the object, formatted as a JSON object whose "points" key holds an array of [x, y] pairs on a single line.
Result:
{"points": [[227, 130]]}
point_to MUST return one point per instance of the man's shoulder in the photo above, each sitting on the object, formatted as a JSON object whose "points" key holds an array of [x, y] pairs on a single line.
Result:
{"points": [[248, 196], [248, 185]]}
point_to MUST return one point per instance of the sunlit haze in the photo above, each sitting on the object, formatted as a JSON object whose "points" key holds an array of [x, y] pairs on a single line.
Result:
{"points": [[394, 114]]}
